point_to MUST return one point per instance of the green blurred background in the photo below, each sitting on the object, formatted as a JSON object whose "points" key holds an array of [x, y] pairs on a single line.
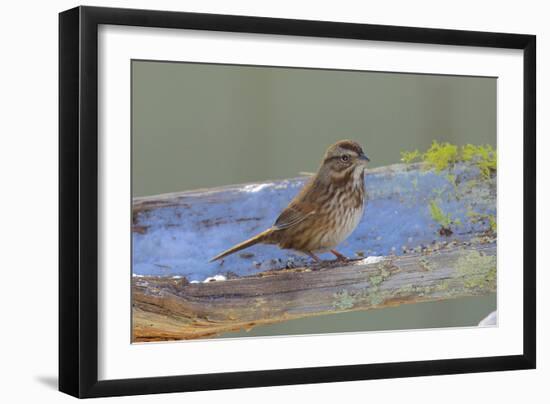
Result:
{"points": [[206, 125]]}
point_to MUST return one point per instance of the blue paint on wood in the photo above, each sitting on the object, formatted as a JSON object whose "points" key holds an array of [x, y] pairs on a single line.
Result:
{"points": [[180, 239]]}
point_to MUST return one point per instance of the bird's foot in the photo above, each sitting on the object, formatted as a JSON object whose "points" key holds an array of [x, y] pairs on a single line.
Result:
{"points": [[339, 257], [315, 258]]}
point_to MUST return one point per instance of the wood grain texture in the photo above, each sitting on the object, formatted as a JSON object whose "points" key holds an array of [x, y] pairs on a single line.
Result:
{"points": [[170, 309]]}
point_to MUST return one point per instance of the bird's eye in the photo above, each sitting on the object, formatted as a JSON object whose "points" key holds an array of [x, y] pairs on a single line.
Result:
{"points": [[345, 158]]}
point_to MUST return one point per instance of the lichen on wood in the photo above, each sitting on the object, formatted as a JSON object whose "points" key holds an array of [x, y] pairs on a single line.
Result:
{"points": [[168, 309]]}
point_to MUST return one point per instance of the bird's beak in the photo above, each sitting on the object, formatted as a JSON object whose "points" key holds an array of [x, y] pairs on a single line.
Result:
{"points": [[364, 158]]}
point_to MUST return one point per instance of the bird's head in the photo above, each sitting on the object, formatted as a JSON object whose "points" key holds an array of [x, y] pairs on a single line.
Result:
{"points": [[343, 158]]}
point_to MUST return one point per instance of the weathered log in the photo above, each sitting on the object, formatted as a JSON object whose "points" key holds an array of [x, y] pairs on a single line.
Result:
{"points": [[169, 309], [434, 234]]}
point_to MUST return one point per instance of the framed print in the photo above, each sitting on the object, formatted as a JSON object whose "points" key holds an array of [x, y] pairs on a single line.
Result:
{"points": [[250, 201]]}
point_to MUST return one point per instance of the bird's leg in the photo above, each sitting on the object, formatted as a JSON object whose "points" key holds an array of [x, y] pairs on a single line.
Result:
{"points": [[339, 257], [316, 258]]}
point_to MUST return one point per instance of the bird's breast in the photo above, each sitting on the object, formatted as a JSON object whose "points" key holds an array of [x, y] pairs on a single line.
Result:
{"points": [[345, 223], [339, 209], [343, 216]]}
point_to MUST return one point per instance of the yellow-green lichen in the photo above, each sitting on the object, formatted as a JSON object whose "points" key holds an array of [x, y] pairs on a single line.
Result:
{"points": [[471, 184], [376, 280], [380, 276], [443, 286], [376, 297], [424, 290], [485, 157], [451, 178], [483, 217], [441, 155], [410, 156], [477, 271], [373, 295], [438, 192], [425, 264], [343, 300], [443, 219], [414, 183], [493, 223]]}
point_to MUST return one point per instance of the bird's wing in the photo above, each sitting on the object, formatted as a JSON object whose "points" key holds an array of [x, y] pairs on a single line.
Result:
{"points": [[291, 216]]}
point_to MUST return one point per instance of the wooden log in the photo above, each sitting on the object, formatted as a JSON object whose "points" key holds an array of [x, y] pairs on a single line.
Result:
{"points": [[171, 308], [434, 234]]}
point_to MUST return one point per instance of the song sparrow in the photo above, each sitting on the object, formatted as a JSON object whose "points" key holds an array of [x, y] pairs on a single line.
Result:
{"points": [[325, 211]]}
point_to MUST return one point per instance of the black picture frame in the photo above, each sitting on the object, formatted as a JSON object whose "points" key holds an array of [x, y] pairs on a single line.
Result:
{"points": [[78, 201]]}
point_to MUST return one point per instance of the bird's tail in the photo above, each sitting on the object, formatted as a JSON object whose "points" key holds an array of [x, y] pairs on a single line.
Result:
{"points": [[245, 244]]}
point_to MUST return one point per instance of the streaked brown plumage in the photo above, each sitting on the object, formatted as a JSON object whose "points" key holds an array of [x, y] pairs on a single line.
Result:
{"points": [[325, 211]]}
